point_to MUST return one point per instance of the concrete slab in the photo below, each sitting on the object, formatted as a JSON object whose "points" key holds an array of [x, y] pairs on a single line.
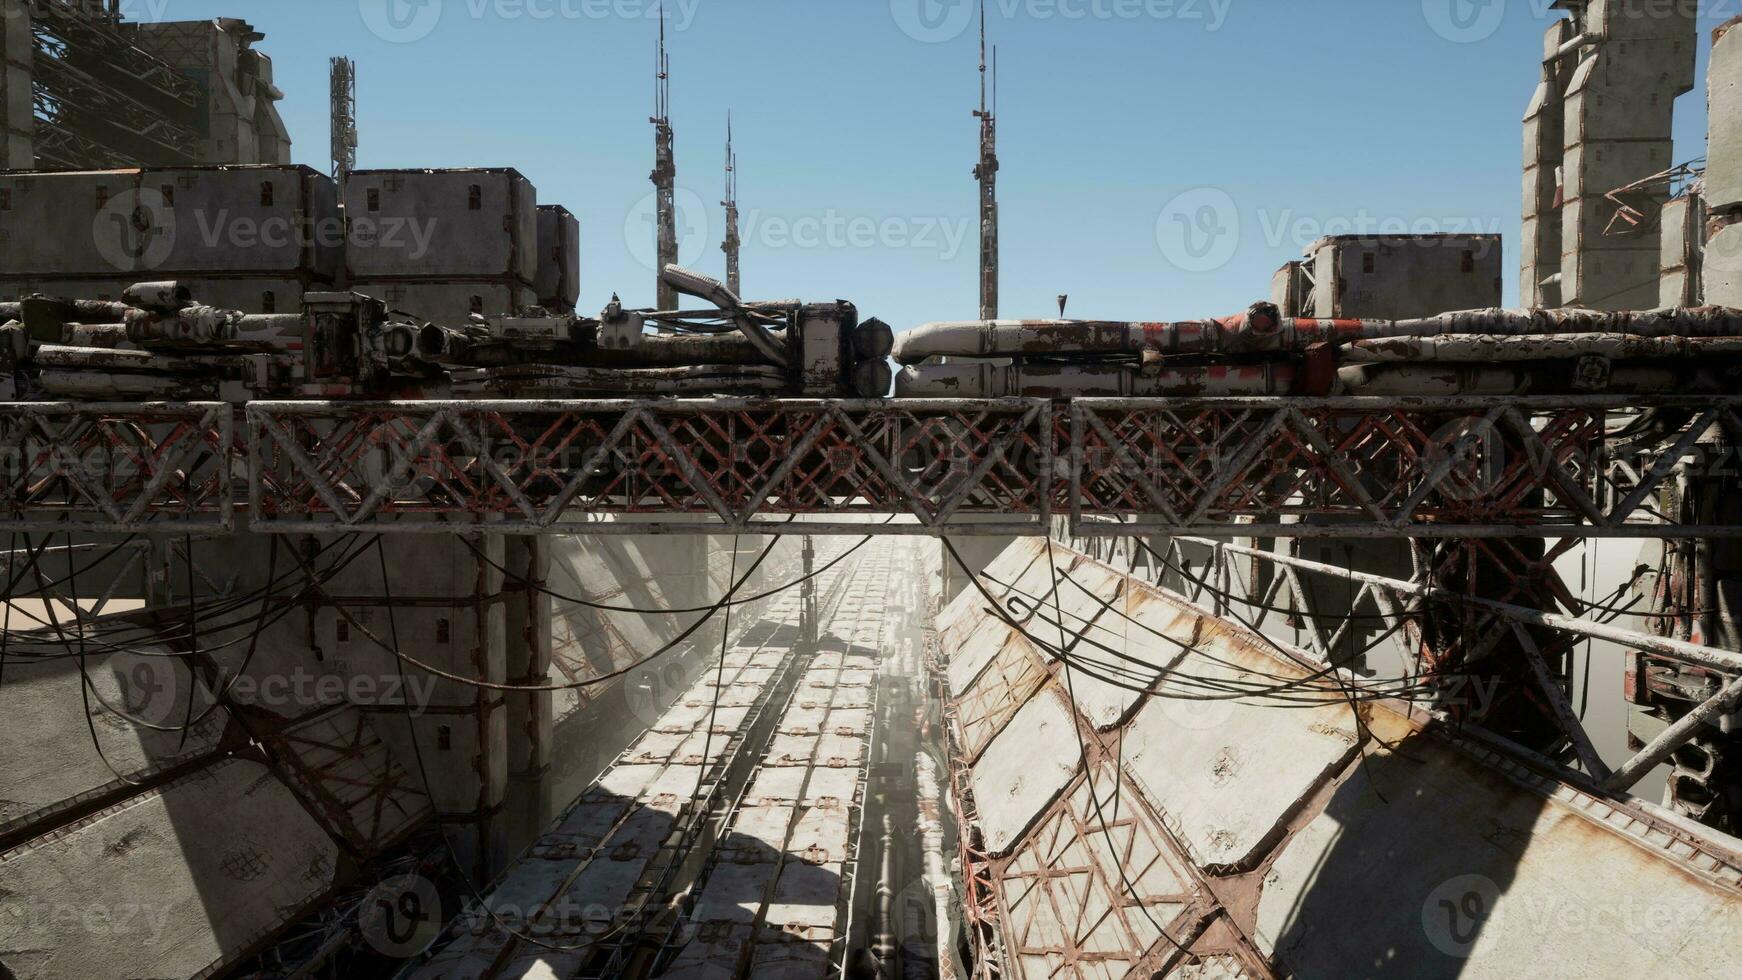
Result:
{"points": [[1024, 769], [174, 882], [1510, 877], [50, 763], [1228, 773]]}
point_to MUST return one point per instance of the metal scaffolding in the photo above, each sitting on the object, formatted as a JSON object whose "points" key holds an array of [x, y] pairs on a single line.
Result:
{"points": [[1223, 468]]}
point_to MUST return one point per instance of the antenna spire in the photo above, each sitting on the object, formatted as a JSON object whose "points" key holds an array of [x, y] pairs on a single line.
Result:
{"points": [[986, 172], [664, 171], [734, 280]]}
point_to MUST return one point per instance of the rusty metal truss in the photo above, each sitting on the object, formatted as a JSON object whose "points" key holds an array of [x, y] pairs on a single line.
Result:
{"points": [[118, 468], [1468, 467]]}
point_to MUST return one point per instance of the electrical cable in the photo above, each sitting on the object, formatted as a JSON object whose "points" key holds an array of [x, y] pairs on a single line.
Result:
{"points": [[1088, 773], [719, 681], [85, 684], [590, 604], [1360, 722], [1090, 669], [170, 636], [423, 774], [1148, 675], [575, 685]]}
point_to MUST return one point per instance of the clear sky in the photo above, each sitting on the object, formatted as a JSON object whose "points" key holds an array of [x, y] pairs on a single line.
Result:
{"points": [[1284, 119]]}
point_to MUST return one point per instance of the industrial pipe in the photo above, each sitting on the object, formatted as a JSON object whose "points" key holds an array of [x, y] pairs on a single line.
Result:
{"points": [[971, 379], [1262, 330]]}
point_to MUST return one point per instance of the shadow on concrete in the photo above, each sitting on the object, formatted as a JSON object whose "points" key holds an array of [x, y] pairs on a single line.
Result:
{"points": [[1402, 874]]}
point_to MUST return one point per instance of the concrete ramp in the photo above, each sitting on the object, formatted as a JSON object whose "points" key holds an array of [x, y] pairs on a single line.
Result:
{"points": [[1184, 832], [175, 882]]}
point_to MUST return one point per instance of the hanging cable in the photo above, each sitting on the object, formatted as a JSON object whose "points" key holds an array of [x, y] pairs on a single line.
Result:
{"points": [[575, 685], [1088, 773], [719, 680], [602, 607]]}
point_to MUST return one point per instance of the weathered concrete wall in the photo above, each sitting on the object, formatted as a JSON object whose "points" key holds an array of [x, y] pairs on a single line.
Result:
{"points": [[1620, 104], [17, 111], [1544, 153], [1406, 276], [1722, 272], [1684, 246]]}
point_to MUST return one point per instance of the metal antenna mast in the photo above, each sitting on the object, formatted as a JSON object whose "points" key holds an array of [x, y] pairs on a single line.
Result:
{"points": [[986, 172], [344, 120], [664, 170], [731, 247]]}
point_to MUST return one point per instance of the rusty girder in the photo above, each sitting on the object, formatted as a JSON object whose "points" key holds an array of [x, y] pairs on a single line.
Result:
{"points": [[1560, 467]]}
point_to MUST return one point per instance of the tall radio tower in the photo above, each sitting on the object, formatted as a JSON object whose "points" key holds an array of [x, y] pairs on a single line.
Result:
{"points": [[344, 120], [733, 278], [986, 172], [664, 170]]}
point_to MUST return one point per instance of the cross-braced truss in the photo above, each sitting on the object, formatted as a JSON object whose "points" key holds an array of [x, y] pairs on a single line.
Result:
{"points": [[118, 468], [1343, 468]]}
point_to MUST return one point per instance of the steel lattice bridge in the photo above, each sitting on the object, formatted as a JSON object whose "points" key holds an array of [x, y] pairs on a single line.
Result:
{"points": [[1553, 467]]}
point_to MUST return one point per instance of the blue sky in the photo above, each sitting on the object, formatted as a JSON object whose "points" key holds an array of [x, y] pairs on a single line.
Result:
{"points": [[856, 142]]}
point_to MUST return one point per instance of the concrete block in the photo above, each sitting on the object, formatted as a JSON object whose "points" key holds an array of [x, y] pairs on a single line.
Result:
{"points": [[1629, 20], [1684, 233], [559, 258], [1722, 272], [1724, 112], [1611, 279], [464, 640], [430, 224], [254, 219], [462, 753], [1285, 289], [1406, 276], [1627, 90], [450, 302], [1595, 169], [92, 211]]}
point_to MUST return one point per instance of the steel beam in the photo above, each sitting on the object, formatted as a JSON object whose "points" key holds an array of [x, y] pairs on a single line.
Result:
{"points": [[1378, 468]]}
